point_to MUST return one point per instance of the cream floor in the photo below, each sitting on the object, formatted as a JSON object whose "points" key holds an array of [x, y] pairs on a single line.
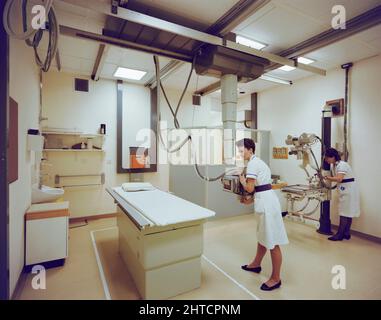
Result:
{"points": [[228, 243]]}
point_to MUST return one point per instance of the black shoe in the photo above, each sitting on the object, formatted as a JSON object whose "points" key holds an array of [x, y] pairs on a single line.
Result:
{"points": [[347, 236], [265, 287], [336, 237], [256, 269]]}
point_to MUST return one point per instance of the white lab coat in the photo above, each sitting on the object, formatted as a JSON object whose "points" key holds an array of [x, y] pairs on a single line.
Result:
{"points": [[349, 196], [270, 227]]}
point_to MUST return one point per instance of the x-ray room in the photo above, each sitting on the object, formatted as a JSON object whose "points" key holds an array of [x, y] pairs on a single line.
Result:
{"points": [[190, 150]]}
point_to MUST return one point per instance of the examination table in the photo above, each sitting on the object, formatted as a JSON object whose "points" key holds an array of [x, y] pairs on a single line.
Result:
{"points": [[160, 241]]}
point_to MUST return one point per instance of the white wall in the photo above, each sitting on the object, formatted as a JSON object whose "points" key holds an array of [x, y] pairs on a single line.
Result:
{"points": [[24, 89], [293, 110], [66, 108]]}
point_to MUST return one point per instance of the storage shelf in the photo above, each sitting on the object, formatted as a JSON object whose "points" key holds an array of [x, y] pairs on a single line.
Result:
{"points": [[80, 134], [72, 150]]}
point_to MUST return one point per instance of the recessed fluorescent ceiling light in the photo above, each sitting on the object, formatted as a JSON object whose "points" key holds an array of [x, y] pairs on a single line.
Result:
{"points": [[273, 79], [305, 60], [238, 90], [250, 43], [301, 60], [287, 68], [129, 73]]}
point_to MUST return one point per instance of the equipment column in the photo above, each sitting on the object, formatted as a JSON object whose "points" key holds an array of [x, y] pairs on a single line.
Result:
{"points": [[325, 220]]}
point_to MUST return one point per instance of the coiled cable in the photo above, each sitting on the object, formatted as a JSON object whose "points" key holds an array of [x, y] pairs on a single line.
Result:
{"points": [[33, 36], [176, 122]]}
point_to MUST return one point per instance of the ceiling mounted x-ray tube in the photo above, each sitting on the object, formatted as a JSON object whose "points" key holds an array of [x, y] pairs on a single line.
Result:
{"points": [[229, 85]]}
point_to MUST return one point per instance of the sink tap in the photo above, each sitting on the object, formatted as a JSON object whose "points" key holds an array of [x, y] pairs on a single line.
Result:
{"points": [[40, 180]]}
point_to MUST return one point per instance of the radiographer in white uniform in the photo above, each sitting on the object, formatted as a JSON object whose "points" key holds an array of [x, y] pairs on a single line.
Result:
{"points": [[349, 198], [271, 232]]}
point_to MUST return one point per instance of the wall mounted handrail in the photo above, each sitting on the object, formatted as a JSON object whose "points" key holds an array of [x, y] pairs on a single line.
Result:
{"points": [[57, 178]]}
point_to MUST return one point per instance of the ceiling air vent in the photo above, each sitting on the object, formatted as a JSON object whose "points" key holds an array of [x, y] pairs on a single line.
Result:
{"points": [[81, 85]]}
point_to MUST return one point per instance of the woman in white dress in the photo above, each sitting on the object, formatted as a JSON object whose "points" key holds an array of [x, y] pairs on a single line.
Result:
{"points": [[271, 232], [349, 198]]}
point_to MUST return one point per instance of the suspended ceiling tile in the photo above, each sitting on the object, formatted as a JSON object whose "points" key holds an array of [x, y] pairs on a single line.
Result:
{"points": [[114, 55], [281, 28], [376, 44], [108, 70], [257, 15], [78, 47], [87, 66], [289, 75], [259, 85], [70, 62], [132, 59], [178, 78], [369, 35], [322, 10], [71, 8], [348, 50], [80, 22]]}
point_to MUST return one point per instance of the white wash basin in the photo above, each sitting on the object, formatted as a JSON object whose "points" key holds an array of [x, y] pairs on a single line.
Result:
{"points": [[45, 194]]}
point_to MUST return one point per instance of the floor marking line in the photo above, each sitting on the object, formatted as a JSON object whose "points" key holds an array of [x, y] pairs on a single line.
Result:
{"points": [[99, 263], [232, 279], [104, 282]]}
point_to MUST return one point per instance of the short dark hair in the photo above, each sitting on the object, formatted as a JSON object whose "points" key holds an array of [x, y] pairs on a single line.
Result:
{"points": [[247, 143], [331, 152]]}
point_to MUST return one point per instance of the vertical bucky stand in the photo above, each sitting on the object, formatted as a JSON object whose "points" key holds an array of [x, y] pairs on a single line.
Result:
{"points": [[325, 221]]}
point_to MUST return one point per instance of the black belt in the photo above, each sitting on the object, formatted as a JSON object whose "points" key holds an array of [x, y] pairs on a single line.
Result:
{"points": [[348, 180], [263, 187]]}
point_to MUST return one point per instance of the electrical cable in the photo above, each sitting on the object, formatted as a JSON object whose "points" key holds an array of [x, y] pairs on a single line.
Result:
{"points": [[318, 168], [176, 122], [186, 87], [346, 154], [319, 172], [158, 82], [305, 206], [33, 37], [26, 34], [314, 210], [301, 211], [174, 113], [53, 43]]}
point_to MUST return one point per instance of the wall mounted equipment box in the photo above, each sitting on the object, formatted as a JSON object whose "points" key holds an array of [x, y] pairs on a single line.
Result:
{"points": [[337, 107]]}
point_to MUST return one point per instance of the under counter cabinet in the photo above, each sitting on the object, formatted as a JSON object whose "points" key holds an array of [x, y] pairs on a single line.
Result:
{"points": [[46, 234]]}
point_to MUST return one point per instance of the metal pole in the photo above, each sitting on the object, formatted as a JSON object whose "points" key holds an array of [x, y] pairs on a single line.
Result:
{"points": [[347, 67], [325, 220], [229, 99]]}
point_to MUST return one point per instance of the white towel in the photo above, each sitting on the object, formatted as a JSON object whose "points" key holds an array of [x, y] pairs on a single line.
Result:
{"points": [[137, 186]]}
